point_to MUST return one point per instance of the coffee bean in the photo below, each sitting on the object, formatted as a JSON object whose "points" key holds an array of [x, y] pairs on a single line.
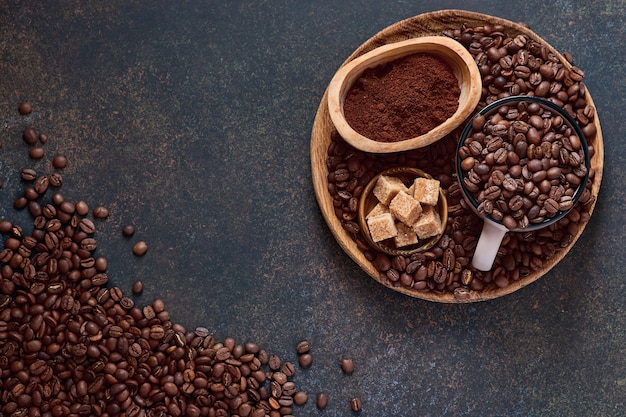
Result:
{"points": [[30, 135], [59, 162], [303, 347], [100, 212], [347, 366], [28, 174], [25, 108], [137, 287], [356, 405], [36, 152], [305, 360], [321, 400], [128, 230], [300, 398], [140, 248]]}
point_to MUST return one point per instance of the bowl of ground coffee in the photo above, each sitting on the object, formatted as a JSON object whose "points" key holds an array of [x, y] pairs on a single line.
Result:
{"points": [[404, 95]]}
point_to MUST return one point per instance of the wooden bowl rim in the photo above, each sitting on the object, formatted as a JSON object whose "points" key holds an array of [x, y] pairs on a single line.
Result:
{"points": [[450, 50]]}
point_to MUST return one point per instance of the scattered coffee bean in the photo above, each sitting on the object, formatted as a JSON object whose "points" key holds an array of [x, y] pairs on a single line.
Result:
{"points": [[140, 248], [303, 347], [82, 208], [321, 400], [36, 152], [300, 398], [347, 366], [100, 212], [356, 405], [30, 135], [137, 287], [128, 230], [59, 162], [305, 360], [25, 108]]}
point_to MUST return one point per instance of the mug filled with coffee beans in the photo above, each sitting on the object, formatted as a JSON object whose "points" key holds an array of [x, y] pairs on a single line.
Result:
{"points": [[522, 163]]}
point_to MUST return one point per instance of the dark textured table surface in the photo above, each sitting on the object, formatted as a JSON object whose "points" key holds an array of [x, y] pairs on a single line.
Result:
{"points": [[192, 120]]}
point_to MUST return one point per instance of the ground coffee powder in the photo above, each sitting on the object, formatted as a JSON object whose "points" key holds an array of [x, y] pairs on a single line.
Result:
{"points": [[402, 99]]}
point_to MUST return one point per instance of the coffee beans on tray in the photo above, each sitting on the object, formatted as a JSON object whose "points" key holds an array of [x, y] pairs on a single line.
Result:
{"points": [[510, 65]]}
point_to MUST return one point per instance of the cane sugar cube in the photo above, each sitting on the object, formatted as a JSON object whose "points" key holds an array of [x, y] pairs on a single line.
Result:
{"points": [[429, 223], [378, 209], [382, 227], [426, 191], [405, 208], [405, 237], [387, 187]]}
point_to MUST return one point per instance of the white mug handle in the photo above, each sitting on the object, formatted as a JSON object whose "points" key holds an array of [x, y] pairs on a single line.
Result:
{"points": [[488, 245]]}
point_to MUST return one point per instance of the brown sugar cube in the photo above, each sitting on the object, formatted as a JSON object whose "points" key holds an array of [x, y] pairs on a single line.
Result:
{"points": [[405, 208], [405, 237], [387, 187], [426, 191], [429, 223], [382, 227], [378, 209]]}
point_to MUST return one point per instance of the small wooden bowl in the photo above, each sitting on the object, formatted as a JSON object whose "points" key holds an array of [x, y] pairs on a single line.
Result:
{"points": [[368, 200], [452, 52]]}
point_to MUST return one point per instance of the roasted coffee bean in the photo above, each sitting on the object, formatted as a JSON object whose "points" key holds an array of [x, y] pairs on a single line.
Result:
{"points": [[36, 152], [305, 360], [321, 401], [28, 174], [303, 347], [356, 405], [128, 230], [300, 398], [25, 108], [140, 248], [30, 135], [100, 212], [59, 162], [347, 366], [137, 287]]}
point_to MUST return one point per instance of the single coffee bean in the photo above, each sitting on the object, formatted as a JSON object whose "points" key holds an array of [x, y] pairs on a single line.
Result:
{"points": [[128, 230], [82, 209], [25, 108], [303, 347], [321, 401], [137, 287], [59, 162], [356, 405], [140, 248], [300, 398], [347, 366], [28, 174], [30, 135], [100, 212], [36, 152], [305, 360]]}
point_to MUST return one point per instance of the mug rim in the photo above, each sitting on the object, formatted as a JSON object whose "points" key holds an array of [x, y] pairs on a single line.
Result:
{"points": [[551, 106]]}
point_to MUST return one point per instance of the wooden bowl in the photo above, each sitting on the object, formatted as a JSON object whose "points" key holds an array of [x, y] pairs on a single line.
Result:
{"points": [[368, 200], [452, 52], [433, 23]]}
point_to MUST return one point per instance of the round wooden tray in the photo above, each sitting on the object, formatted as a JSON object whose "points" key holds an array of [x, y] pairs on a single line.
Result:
{"points": [[433, 23]]}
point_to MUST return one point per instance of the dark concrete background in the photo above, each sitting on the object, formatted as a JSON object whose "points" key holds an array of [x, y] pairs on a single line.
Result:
{"points": [[192, 120]]}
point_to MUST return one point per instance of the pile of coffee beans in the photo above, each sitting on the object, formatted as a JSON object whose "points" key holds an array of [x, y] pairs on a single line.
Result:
{"points": [[510, 65], [72, 345], [523, 164]]}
